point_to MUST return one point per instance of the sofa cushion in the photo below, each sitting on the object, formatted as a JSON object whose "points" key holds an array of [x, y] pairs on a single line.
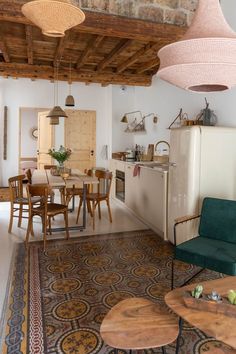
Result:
{"points": [[218, 219], [208, 253]]}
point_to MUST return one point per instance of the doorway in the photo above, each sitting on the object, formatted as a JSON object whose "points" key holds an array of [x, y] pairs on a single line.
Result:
{"points": [[28, 138]]}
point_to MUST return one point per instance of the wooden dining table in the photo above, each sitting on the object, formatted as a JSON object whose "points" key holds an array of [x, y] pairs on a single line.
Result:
{"points": [[76, 179], [218, 325]]}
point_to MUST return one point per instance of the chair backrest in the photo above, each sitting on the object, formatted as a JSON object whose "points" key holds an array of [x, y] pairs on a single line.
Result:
{"points": [[38, 190], [29, 175], [218, 219], [104, 178], [16, 187]]}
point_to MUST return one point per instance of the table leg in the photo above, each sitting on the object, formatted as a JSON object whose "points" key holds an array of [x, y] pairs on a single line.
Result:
{"points": [[84, 204], [179, 336]]}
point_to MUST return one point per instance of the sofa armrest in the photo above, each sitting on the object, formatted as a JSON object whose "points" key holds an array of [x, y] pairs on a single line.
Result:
{"points": [[181, 220]]}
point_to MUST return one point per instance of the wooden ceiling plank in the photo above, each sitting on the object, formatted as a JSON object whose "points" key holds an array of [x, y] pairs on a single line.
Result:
{"points": [[122, 45], [29, 41], [47, 73], [147, 48], [60, 49], [4, 51], [105, 24], [91, 46], [148, 65]]}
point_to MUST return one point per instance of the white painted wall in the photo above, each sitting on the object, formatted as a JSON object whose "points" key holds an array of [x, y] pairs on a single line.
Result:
{"points": [[39, 94]]}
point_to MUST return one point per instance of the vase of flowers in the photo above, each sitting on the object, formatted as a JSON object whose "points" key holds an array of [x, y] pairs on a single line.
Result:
{"points": [[60, 156]]}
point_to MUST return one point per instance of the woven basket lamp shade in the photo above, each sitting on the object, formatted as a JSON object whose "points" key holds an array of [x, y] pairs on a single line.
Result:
{"points": [[54, 17], [204, 60]]}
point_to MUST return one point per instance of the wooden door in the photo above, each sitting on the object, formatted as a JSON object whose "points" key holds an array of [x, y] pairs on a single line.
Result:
{"points": [[80, 137], [45, 140]]}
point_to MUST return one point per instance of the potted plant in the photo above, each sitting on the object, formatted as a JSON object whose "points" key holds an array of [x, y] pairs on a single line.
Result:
{"points": [[61, 155]]}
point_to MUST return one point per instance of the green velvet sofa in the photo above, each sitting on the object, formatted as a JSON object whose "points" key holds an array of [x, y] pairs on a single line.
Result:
{"points": [[215, 246]]}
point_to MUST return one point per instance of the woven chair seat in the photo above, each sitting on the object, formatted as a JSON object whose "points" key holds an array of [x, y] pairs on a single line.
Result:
{"points": [[23, 200]]}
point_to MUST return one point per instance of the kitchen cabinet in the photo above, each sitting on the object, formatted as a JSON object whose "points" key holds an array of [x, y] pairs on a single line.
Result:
{"points": [[146, 196]]}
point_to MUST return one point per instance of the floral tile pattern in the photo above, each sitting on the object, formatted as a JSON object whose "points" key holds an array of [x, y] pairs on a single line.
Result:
{"points": [[59, 297]]}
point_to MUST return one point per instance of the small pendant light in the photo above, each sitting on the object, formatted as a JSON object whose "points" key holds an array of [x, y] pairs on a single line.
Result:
{"points": [[204, 59], [70, 102], [56, 112]]}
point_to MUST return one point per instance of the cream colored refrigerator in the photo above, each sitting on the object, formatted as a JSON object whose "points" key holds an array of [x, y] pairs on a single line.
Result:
{"points": [[202, 163]]}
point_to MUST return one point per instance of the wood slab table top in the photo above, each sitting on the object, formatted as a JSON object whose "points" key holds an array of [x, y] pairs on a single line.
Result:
{"points": [[76, 178], [138, 323], [219, 326]]}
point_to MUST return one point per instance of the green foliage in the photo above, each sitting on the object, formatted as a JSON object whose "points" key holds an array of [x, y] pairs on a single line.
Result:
{"points": [[197, 292], [60, 155], [232, 297]]}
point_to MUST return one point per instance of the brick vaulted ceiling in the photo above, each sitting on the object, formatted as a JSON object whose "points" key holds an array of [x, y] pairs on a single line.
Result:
{"points": [[117, 43]]}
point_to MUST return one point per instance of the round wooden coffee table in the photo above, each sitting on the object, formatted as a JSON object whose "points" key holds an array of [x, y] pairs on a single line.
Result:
{"points": [[137, 324]]}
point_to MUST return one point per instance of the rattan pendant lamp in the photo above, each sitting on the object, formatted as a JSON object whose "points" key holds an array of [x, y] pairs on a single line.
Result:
{"points": [[56, 112], [204, 60], [70, 102], [54, 17]]}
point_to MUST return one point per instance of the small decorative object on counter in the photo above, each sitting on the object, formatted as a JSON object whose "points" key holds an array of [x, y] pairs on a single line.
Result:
{"points": [[214, 296], [232, 297], [197, 292]]}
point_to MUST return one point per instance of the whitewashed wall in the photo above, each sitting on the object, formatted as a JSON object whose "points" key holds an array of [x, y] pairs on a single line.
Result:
{"points": [[29, 120], [39, 94]]}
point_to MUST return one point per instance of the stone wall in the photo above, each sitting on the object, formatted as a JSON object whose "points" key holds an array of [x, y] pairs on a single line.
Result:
{"points": [[177, 12]]}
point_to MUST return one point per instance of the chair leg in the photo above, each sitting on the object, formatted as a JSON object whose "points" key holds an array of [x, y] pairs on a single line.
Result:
{"points": [[11, 218], [29, 228], [93, 214], [109, 209], [89, 208], [66, 224], [44, 221], [20, 215], [99, 210], [80, 205], [49, 225]]}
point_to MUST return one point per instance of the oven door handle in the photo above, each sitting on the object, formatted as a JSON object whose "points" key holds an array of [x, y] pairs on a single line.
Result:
{"points": [[120, 179]]}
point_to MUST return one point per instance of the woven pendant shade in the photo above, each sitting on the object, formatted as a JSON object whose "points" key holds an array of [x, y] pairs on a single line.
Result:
{"points": [[54, 121], [204, 60], [57, 112], [54, 17], [70, 102]]}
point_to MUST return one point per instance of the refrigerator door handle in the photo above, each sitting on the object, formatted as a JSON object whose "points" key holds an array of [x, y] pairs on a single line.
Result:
{"points": [[173, 164]]}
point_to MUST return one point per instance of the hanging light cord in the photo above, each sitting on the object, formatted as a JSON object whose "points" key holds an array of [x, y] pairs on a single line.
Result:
{"points": [[70, 80]]}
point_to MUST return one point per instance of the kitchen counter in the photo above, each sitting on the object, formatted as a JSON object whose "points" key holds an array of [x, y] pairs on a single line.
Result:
{"points": [[146, 193]]}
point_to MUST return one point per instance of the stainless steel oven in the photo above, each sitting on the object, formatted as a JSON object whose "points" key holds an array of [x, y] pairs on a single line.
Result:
{"points": [[120, 185]]}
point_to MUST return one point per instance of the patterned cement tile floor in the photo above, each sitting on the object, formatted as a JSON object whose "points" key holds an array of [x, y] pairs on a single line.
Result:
{"points": [[59, 298]]}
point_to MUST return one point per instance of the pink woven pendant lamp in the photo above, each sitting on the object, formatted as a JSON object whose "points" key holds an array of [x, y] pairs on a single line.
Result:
{"points": [[54, 17], [204, 60]]}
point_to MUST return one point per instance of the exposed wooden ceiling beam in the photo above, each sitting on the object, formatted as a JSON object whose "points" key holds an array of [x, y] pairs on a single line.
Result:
{"points": [[29, 40], [4, 51], [91, 46], [122, 45], [47, 73], [60, 48], [103, 24], [148, 47], [148, 65]]}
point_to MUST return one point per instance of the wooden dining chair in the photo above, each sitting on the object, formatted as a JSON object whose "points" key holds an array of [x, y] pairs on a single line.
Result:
{"points": [[48, 167], [18, 202], [99, 196], [45, 210]]}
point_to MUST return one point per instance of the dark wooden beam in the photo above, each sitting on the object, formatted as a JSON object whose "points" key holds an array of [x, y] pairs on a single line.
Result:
{"points": [[47, 72], [29, 41], [148, 65], [104, 25], [122, 45], [91, 46], [60, 48], [147, 48], [4, 51]]}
